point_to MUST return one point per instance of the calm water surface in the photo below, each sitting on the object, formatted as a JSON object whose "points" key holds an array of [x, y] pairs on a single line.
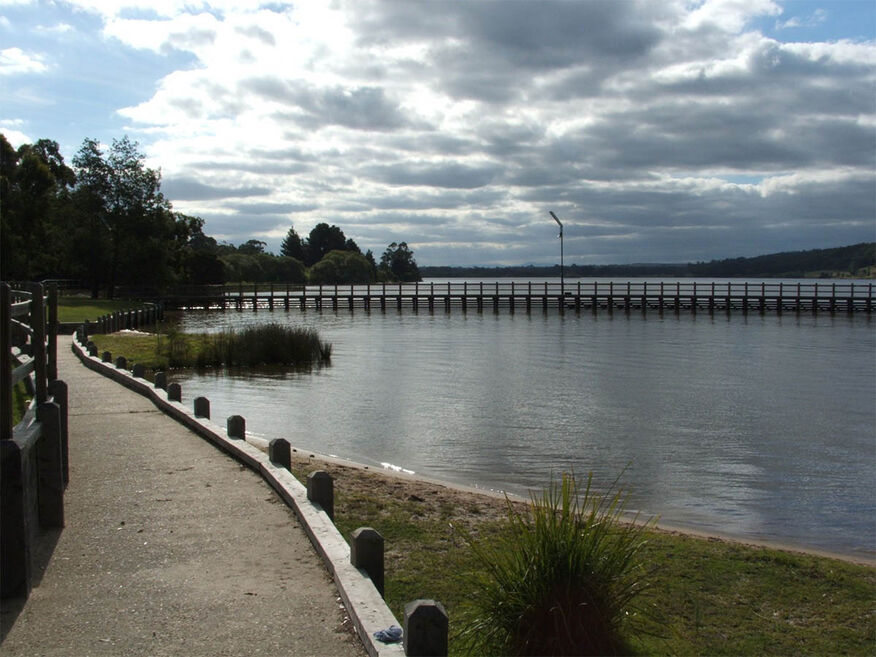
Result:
{"points": [[760, 427]]}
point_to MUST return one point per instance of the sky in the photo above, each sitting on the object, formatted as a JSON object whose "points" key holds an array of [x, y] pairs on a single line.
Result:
{"points": [[657, 131]]}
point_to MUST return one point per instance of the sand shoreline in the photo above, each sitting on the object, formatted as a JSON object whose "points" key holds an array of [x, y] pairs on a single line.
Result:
{"points": [[496, 501]]}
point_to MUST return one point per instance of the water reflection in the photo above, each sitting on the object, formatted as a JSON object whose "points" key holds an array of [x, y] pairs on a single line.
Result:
{"points": [[758, 426]]}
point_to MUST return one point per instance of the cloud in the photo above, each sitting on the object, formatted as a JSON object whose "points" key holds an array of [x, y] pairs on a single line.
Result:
{"points": [[189, 189], [14, 61], [658, 130]]}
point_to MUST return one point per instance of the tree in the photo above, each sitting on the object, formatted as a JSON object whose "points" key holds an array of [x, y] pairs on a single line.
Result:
{"points": [[291, 246], [34, 182], [252, 247], [323, 239], [342, 267], [397, 263], [121, 211]]}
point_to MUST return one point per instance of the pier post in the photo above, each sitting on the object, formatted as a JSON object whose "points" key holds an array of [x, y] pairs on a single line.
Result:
{"points": [[366, 553], [280, 453], [321, 490], [174, 392], [235, 427], [161, 380], [202, 407], [425, 629]]}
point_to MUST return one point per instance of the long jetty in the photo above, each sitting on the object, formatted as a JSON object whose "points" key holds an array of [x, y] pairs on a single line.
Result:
{"points": [[574, 296]]}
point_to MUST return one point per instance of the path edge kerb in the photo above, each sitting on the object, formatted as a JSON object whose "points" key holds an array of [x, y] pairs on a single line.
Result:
{"points": [[367, 609]]}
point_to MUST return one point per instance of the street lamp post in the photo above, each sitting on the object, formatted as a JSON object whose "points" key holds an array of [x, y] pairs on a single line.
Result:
{"points": [[562, 274]]}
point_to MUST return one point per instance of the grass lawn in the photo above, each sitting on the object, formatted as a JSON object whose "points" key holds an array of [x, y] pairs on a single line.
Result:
{"points": [[78, 309], [707, 596]]}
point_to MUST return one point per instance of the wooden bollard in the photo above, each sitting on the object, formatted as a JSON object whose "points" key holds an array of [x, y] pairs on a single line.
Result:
{"points": [[321, 490], [280, 453], [107, 357], [174, 392], [366, 553], [426, 629], [121, 363], [161, 380], [235, 427], [202, 407], [139, 371], [92, 349]]}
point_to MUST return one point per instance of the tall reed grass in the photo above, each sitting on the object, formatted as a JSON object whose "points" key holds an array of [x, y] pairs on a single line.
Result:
{"points": [[563, 580], [271, 344]]}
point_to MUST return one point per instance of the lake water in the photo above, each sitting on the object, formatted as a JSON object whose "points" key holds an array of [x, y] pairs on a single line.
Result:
{"points": [[759, 427]]}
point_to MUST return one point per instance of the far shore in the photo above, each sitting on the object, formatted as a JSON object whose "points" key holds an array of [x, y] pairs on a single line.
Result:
{"points": [[374, 479]]}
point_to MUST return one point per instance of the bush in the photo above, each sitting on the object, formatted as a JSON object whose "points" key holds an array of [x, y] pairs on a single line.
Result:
{"points": [[562, 580], [271, 344]]}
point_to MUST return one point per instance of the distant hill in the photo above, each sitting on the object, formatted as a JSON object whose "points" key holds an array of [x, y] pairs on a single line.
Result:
{"points": [[855, 261]]}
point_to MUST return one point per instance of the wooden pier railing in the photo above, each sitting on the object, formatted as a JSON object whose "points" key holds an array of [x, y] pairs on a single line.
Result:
{"points": [[33, 453], [575, 296]]}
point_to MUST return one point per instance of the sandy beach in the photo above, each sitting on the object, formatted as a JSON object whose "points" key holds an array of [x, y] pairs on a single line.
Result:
{"points": [[472, 506]]}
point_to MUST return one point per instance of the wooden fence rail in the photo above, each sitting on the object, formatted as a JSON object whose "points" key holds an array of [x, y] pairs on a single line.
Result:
{"points": [[33, 453]]}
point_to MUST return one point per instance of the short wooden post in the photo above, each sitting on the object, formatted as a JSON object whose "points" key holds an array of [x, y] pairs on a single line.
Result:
{"points": [[121, 363], [91, 348], [174, 392], [321, 490], [161, 380], [106, 357], [426, 629], [235, 427], [50, 467], [280, 453], [366, 553], [139, 371], [202, 407]]}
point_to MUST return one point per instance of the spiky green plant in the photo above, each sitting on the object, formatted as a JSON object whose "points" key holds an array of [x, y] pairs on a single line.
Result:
{"points": [[563, 580]]}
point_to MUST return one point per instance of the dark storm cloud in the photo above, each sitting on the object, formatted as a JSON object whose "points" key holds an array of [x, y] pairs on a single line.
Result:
{"points": [[189, 189], [359, 108], [273, 209], [448, 174], [490, 50], [257, 33]]}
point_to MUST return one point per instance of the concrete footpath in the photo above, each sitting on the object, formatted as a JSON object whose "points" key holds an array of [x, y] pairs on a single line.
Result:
{"points": [[170, 547]]}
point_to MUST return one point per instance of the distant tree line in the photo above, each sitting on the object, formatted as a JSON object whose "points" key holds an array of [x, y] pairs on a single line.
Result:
{"points": [[105, 221], [857, 260]]}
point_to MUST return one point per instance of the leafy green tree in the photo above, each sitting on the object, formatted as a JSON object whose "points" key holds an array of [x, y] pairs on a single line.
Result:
{"points": [[34, 182], [291, 246], [252, 247], [323, 239], [121, 211], [341, 267], [397, 263]]}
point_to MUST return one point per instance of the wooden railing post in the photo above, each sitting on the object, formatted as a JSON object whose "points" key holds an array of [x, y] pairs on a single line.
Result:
{"points": [[38, 341], [5, 363], [52, 369]]}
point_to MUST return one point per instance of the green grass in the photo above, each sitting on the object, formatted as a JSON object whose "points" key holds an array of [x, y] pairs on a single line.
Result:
{"points": [[705, 596], [20, 402], [78, 309]]}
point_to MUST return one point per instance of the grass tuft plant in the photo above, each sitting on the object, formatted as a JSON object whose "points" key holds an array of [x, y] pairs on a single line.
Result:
{"points": [[269, 344], [562, 580]]}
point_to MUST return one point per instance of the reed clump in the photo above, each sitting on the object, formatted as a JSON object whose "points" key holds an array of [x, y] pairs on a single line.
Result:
{"points": [[563, 579], [270, 344]]}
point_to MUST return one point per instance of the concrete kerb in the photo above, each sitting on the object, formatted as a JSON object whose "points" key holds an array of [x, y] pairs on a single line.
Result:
{"points": [[366, 607]]}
